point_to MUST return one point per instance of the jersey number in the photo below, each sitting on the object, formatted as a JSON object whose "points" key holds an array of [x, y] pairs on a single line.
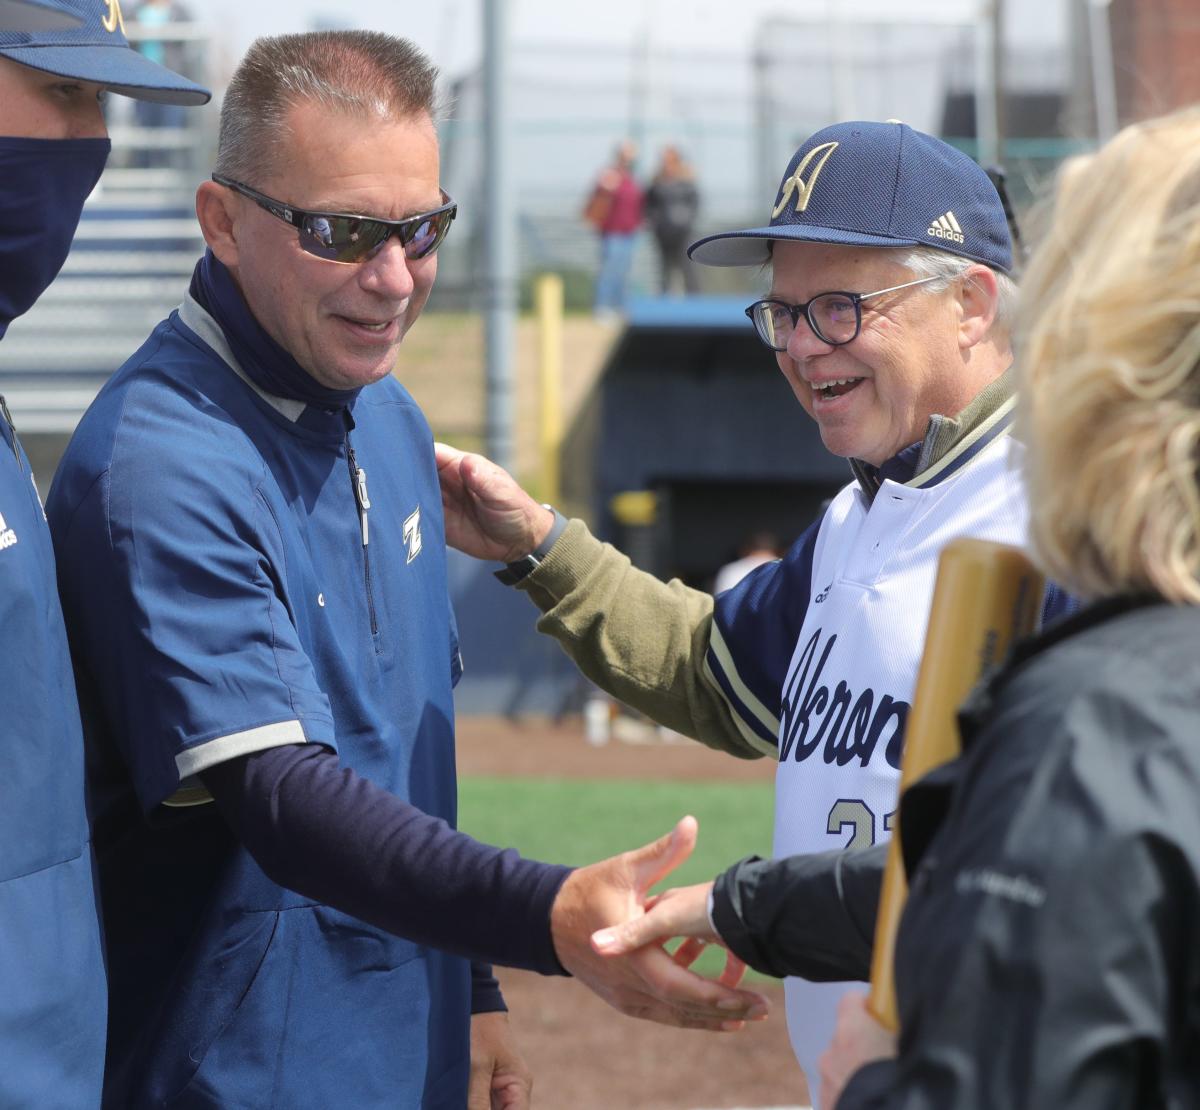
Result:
{"points": [[858, 817]]}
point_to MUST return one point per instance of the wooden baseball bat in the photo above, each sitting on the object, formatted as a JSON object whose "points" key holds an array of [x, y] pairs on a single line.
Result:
{"points": [[986, 596]]}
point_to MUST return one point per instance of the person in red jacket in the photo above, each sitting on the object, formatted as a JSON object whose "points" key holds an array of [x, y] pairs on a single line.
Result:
{"points": [[615, 211]]}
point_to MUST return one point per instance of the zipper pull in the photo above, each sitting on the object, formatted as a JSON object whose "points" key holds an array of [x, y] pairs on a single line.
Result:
{"points": [[364, 501], [13, 430]]}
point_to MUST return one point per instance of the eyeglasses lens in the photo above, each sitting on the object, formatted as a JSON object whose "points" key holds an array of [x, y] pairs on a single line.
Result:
{"points": [[342, 238], [774, 324], [422, 238], [346, 239], [834, 318]]}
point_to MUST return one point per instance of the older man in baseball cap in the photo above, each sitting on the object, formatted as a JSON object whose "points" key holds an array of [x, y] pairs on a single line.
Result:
{"points": [[887, 312], [56, 58]]}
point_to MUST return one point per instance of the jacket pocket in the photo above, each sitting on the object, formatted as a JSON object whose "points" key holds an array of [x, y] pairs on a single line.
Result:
{"points": [[336, 1013], [218, 985]]}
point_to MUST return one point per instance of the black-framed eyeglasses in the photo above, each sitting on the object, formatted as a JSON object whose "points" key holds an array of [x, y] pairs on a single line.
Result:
{"points": [[835, 318], [342, 237]]}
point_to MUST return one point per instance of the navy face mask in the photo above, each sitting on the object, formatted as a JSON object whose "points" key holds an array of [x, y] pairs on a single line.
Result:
{"points": [[43, 184]]}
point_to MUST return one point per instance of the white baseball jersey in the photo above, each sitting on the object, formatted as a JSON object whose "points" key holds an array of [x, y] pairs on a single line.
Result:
{"points": [[847, 609]]}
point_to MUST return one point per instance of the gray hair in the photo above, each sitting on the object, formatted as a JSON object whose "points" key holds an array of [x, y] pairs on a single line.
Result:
{"points": [[359, 73], [930, 262]]}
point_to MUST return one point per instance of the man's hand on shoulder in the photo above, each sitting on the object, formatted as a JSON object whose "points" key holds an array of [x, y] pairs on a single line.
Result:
{"points": [[488, 515]]}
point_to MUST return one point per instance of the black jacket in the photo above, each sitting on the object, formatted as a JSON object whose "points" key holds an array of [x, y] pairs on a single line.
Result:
{"points": [[1049, 954]]}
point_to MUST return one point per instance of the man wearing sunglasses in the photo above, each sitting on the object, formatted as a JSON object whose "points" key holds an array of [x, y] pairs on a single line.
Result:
{"points": [[252, 565], [57, 59], [888, 313]]}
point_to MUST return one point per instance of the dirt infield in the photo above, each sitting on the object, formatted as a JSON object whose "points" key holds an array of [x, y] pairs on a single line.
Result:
{"points": [[538, 748], [584, 1055]]}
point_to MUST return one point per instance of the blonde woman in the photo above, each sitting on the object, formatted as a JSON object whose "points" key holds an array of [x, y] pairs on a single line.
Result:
{"points": [[1049, 955]]}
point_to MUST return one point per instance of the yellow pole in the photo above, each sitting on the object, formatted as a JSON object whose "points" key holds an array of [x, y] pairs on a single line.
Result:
{"points": [[548, 302]]}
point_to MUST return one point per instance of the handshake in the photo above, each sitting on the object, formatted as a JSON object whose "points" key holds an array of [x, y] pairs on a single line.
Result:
{"points": [[610, 933]]}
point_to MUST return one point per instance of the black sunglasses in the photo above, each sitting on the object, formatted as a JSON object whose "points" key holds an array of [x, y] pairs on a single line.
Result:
{"points": [[340, 237]]}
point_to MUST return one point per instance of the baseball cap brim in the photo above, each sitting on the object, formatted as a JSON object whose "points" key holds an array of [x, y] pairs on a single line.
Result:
{"points": [[116, 67], [28, 15], [751, 247]]}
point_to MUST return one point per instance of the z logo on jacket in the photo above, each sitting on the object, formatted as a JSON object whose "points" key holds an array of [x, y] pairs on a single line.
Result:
{"points": [[8, 538], [412, 533], [849, 726]]}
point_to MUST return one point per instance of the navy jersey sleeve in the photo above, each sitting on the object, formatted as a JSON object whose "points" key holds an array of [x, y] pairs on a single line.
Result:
{"points": [[329, 834], [754, 631], [172, 579], [486, 996]]}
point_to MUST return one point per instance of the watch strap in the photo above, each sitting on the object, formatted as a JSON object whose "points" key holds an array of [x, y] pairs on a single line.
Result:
{"points": [[513, 572]]}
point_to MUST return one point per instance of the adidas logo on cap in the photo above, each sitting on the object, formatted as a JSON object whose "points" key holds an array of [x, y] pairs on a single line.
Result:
{"points": [[946, 227]]}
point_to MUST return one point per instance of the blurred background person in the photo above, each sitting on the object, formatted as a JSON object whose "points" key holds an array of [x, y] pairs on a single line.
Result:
{"points": [[754, 550], [1047, 956], [672, 203], [614, 209], [163, 51], [161, 13]]}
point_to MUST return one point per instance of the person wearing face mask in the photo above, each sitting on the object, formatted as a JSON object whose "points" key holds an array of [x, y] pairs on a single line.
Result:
{"points": [[55, 61]]}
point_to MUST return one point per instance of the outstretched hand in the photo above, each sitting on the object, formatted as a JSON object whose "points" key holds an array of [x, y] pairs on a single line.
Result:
{"points": [[488, 514], [645, 981], [679, 912]]}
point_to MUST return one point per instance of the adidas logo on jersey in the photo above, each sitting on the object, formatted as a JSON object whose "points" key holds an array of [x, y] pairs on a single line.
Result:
{"points": [[8, 538], [946, 227]]}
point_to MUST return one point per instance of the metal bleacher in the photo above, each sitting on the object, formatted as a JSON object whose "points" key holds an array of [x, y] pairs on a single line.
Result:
{"points": [[129, 264]]}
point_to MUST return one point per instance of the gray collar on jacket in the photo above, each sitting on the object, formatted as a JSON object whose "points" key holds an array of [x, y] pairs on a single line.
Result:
{"points": [[944, 433]]}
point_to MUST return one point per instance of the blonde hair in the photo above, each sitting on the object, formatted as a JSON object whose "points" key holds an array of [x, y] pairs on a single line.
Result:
{"points": [[1109, 350]]}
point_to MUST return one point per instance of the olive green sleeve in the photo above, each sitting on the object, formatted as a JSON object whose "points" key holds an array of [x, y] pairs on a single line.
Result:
{"points": [[640, 639]]}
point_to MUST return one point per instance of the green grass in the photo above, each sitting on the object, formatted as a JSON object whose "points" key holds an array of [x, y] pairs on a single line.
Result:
{"points": [[578, 821]]}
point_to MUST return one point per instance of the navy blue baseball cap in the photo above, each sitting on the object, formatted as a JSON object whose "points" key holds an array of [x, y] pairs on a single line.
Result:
{"points": [[875, 185], [98, 51], [32, 15]]}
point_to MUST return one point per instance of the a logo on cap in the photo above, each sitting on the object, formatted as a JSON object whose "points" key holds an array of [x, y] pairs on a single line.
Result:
{"points": [[817, 157], [946, 227], [114, 19]]}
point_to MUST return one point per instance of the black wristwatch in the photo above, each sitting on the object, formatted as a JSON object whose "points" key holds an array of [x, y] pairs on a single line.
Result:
{"points": [[523, 567]]}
